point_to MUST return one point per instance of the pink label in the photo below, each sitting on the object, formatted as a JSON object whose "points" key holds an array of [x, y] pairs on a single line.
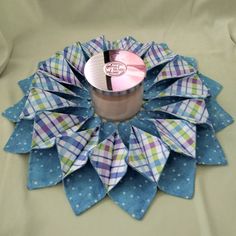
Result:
{"points": [[115, 68]]}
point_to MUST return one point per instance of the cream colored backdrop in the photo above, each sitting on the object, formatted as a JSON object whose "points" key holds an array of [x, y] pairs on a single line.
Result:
{"points": [[31, 31]]}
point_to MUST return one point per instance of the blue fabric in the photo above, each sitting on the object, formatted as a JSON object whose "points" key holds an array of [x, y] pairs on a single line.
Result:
{"points": [[218, 116], [178, 176], [12, 113], [21, 138], [44, 168], [106, 129], [25, 84], [134, 194], [83, 188], [209, 150]]}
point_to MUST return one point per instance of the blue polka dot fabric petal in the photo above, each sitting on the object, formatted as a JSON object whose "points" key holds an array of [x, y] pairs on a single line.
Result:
{"points": [[134, 194], [209, 150], [178, 177], [83, 189], [44, 168], [21, 139]]}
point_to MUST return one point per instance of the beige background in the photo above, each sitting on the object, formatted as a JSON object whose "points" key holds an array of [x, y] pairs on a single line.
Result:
{"points": [[32, 30]]}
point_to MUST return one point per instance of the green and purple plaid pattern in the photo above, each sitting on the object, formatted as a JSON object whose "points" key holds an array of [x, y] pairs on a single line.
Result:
{"points": [[50, 125], [147, 154], [193, 110], [75, 57], [157, 54], [44, 82], [73, 150], [95, 46], [179, 135], [175, 69], [191, 86], [58, 67], [40, 100], [130, 44], [108, 158]]}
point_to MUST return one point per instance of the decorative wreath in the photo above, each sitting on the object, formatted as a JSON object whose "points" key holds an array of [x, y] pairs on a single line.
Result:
{"points": [[130, 161]]}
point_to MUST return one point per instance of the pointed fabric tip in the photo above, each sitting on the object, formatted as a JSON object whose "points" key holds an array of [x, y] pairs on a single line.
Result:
{"points": [[25, 84], [44, 168], [219, 118], [209, 150], [157, 54], [108, 159], [179, 135], [49, 125], [175, 69], [95, 46], [75, 57], [130, 44], [192, 110], [47, 83], [73, 150], [191, 86], [178, 176], [58, 67], [13, 113], [147, 154], [83, 189], [40, 100], [21, 138], [134, 194]]}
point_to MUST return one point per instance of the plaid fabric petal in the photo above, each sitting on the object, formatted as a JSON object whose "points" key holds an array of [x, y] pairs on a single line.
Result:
{"points": [[44, 82], [73, 150], [39, 100], [108, 159], [175, 69], [157, 54], [193, 110], [147, 154], [75, 57], [179, 135], [58, 67], [130, 44], [49, 125], [191, 86], [95, 46]]}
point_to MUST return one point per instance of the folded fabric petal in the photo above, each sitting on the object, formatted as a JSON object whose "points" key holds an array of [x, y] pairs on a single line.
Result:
{"points": [[208, 150], [25, 84], [218, 116], [147, 154], [106, 129], [178, 176], [134, 193], [47, 83], [44, 168], [73, 150], [83, 189], [75, 57], [58, 67], [13, 113], [193, 110], [49, 125], [157, 54], [40, 100], [130, 44], [108, 159], [95, 46], [179, 135], [21, 138], [176, 68], [213, 86], [191, 86]]}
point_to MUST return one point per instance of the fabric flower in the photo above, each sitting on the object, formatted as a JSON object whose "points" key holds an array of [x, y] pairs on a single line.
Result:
{"points": [[130, 161]]}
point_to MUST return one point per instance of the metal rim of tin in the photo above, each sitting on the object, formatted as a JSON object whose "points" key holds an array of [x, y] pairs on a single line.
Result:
{"points": [[95, 69]]}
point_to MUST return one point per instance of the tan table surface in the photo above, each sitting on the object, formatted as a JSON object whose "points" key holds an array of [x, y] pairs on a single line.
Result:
{"points": [[31, 31]]}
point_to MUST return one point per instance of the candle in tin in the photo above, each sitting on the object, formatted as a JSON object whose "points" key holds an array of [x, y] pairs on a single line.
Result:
{"points": [[116, 82]]}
